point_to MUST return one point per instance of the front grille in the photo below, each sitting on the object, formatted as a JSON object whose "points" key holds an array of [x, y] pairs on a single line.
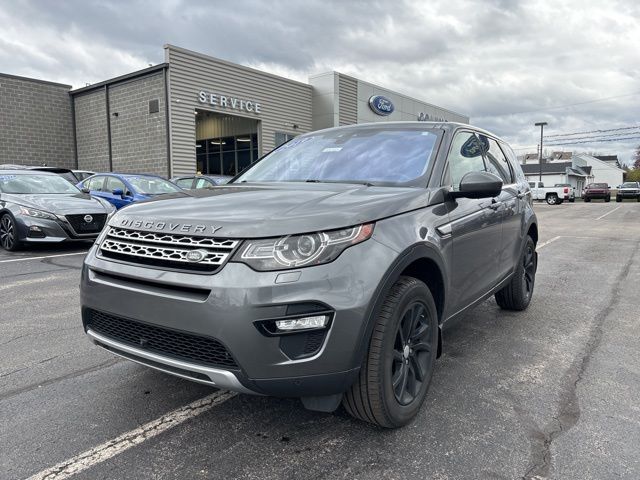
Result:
{"points": [[80, 224], [167, 250], [163, 341]]}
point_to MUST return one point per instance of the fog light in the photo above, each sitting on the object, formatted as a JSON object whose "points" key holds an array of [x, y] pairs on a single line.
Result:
{"points": [[35, 232], [304, 323]]}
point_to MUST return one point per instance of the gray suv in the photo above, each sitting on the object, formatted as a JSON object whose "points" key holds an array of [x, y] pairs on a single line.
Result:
{"points": [[325, 271]]}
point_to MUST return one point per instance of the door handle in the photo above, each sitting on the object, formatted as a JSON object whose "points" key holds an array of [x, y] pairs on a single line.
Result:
{"points": [[522, 195], [495, 205]]}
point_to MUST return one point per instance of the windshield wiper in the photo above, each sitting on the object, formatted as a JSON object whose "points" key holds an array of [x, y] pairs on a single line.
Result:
{"points": [[313, 180]]}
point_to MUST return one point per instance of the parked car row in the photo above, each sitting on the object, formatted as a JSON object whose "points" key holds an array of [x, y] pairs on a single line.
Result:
{"points": [[561, 192], [53, 205]]}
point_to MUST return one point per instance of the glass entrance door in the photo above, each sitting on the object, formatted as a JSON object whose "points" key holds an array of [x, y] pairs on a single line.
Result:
{"points": [[226, 155], [225, 144]]}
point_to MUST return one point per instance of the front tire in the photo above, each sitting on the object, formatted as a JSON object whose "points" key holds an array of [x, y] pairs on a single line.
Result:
{"points": [[587, 199], [398, 367], [517, 294], [618, 199], [607, 199], [9, 233]]}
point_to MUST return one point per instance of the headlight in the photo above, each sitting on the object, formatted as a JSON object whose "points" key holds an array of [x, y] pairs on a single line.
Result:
{"points": [[304, 250], [32, 212]]}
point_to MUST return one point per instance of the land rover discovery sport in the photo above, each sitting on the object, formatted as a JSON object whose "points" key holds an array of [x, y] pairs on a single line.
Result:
{"points": [[325, 271]]}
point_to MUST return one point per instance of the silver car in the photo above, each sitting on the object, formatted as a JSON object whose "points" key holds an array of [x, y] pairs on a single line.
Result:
{"points": [[42, 207]]}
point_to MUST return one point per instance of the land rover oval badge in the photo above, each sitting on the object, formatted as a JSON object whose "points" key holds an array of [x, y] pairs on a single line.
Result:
{"points": [[196, 256]]}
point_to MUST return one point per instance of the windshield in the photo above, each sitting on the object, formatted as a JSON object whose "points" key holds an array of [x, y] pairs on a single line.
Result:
{"points": [[629, 185], [597, 185], [27, 183], [385, 155], [152, 185]]}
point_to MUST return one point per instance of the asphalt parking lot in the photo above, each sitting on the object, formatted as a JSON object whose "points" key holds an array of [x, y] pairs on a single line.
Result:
{"points": [[547, 393]]}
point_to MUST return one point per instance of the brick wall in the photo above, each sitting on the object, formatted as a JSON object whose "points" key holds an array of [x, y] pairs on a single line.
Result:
{"points": [[35, 122], [91, 131], [139, 138]]}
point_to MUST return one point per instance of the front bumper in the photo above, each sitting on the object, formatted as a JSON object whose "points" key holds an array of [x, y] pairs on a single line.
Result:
{"points": [[628, 194], [42, 230], [228, 307], [596, 195]]}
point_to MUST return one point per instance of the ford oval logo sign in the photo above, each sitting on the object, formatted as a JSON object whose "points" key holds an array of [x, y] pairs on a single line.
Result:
{"points": [[381, 105]]}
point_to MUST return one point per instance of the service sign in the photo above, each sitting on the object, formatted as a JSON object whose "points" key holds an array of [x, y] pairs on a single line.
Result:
{"points": [[381, 105], [229, 102]]}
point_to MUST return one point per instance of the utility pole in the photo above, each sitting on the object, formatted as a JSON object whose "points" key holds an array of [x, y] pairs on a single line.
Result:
{"points": [[541, 125]]}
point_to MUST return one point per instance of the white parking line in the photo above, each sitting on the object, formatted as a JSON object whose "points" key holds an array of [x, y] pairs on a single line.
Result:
{"points": [[611, 211], [113, 447], [544, 244], [44, 256]]}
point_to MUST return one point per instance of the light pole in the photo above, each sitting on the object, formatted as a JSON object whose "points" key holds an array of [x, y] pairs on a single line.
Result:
{"points": [[541, 125]]}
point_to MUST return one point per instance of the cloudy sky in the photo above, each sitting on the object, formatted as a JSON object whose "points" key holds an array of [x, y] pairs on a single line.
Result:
{"points": [[506, 64]]}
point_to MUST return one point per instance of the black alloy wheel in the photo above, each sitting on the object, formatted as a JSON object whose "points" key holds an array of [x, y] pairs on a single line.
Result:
{"points": [[394, 378], [516, 295], [529, 269], [8, 233], [411, 353]]}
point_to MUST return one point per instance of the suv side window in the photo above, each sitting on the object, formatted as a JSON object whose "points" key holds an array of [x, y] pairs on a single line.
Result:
{"points": [[185, 182], [113, 183], [496, 161], [465, 156]]}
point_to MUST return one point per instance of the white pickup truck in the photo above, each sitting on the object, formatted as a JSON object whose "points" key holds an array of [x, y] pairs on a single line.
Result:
{"points": [[552, 195]]}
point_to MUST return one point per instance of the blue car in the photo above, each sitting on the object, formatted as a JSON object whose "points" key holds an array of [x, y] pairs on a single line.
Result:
{"points": [[122, 189]]}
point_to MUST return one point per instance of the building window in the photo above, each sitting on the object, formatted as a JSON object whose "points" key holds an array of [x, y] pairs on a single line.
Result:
{"points": [[282, 137]]}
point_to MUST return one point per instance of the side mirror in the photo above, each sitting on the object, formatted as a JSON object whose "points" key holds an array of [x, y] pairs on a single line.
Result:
{"points": [[479, 185], [118, 192], [85, 190]]}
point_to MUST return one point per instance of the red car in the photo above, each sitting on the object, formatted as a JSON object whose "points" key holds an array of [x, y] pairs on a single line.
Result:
{"points": [[595, 191]]}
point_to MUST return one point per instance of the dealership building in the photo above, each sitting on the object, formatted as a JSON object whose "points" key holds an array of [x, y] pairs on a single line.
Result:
{"points": [[191, 113]]}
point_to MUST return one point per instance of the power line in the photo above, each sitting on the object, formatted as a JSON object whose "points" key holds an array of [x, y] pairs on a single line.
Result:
{"points": [[594, 141], [592, 131], [594, 137]]}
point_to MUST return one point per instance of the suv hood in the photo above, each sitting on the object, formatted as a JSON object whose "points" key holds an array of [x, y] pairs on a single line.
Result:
{"points": [[269, 210], [60, 204]]}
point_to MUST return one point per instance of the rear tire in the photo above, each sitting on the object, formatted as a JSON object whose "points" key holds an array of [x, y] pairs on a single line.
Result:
{"points": [[517, 294], [398, 367], [552, 199], [573, 199], [8, 233], [587, 200]]}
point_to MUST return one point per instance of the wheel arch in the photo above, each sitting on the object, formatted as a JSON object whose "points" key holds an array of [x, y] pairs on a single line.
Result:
{"points": [[422, 261], [532, 231]]}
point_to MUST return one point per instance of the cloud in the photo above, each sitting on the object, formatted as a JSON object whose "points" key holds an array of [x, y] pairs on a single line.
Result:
{"points": [[491, 60]]}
